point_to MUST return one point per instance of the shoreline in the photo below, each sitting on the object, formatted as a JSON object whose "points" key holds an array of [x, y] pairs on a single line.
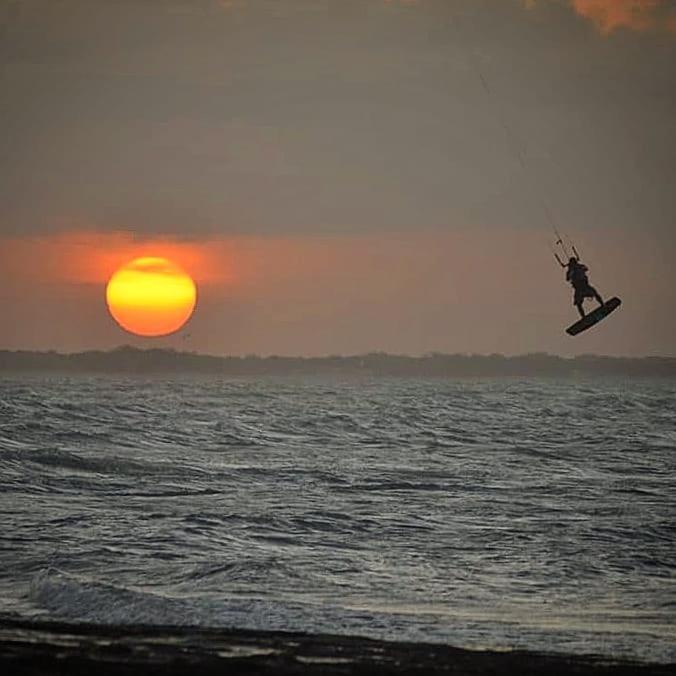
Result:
{"points": [[29, 648], [157, 361]]}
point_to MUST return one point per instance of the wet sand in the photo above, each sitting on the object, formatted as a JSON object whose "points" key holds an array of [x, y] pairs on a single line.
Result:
{"points": [[79, 650]]}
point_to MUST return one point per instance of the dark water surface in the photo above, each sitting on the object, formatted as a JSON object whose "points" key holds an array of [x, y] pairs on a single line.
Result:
{"points": [[536, 514]]}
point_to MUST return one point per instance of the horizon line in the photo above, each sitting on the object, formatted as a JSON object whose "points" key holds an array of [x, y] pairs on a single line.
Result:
{"points": [[359, 355]]}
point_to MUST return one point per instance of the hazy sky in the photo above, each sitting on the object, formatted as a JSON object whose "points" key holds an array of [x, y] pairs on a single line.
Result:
{"points": [[340, 176]]}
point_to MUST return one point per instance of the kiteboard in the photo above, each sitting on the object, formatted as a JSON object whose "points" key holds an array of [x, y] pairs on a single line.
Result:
{"points": [[594, 317]]}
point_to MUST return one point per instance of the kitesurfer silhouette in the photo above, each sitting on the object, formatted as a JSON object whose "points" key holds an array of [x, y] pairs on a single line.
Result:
{"points": [[576, 274]]}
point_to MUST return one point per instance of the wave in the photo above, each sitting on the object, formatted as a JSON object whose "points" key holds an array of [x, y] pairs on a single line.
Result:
{"points": [[79, 600]]}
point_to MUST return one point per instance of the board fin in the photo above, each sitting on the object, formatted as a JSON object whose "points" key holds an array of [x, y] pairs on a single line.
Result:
{"points": [[594, 317]]}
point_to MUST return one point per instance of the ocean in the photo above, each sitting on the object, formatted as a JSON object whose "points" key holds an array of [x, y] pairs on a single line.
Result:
{"points": [[537, 514]]}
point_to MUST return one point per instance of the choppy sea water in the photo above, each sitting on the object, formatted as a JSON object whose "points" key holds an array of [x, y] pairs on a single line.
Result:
{"points": [[536, 514]]}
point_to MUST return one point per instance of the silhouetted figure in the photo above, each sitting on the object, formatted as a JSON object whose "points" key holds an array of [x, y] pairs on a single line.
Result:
{"points": [[576, 274]]}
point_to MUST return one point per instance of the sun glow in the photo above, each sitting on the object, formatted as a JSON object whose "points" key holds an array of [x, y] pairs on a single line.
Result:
{"points": [[151, 296]]}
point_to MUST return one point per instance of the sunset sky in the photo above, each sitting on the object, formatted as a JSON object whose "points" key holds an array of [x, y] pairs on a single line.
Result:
{"points": [[340, 176]]}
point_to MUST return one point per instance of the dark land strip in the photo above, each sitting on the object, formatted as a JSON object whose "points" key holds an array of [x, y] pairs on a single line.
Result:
{"points": [[55, 649]]}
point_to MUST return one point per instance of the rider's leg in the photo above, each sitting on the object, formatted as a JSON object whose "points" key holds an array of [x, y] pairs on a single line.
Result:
{"points": [[578, 299]]}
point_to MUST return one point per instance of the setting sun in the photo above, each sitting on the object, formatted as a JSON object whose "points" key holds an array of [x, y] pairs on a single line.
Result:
{"points": [[151, 296]]}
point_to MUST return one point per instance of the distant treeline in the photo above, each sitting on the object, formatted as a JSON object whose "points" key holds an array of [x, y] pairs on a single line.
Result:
{"points": [[163, 361]]}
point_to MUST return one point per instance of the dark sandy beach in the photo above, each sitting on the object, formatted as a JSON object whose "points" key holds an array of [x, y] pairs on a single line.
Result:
{"points": [[51, 648]]}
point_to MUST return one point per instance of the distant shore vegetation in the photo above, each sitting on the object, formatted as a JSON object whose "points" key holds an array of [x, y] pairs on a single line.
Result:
{"points": [[132, 360]]}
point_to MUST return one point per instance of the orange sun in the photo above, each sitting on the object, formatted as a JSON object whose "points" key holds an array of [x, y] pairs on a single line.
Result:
{"points": [[151, 296]]}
